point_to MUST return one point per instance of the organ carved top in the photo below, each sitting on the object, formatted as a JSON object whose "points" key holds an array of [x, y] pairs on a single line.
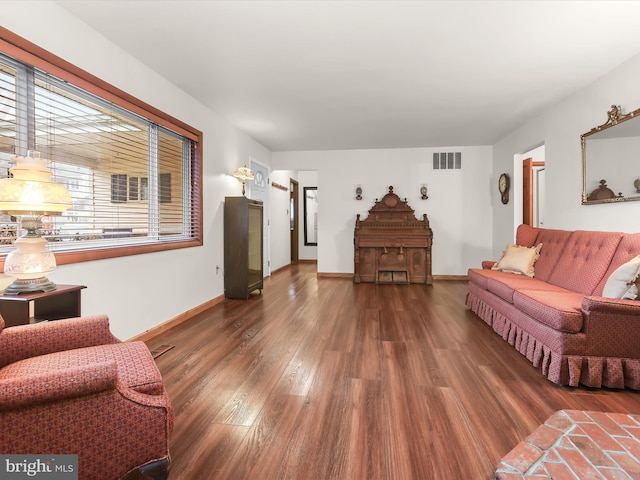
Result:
{"points": [[391, 211]]}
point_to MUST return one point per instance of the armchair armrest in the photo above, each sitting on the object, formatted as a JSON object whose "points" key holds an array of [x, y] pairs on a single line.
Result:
{"points": [[27, 390], [25, 341]]}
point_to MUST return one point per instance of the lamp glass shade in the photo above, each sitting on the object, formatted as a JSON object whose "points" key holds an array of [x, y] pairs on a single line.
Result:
{"points": [[29, 193], [30, 190], [243, 174]]}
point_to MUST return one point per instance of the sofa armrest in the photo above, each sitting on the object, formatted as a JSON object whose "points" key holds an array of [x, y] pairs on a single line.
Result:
{"points": [[487, 264], [612, 327], [613, 306], [26, 341], [39, 388]]}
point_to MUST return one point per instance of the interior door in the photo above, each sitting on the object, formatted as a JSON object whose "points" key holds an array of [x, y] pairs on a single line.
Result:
{"points": [[294, 220], [529, 193], [260, 191], [539, 187]]}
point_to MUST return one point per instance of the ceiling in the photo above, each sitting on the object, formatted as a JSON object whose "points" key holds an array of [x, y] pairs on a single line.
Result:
{"points": [[322, 75]]}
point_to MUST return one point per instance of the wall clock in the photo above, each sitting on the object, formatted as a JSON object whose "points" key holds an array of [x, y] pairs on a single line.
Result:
{"points": [[503, 187]]}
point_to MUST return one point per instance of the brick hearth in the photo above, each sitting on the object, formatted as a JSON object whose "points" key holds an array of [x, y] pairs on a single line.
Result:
{"points": [[575, 444]]}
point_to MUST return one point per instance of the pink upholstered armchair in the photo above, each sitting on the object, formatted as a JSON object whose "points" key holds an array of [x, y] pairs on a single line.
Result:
{"points": [[71, 387]]}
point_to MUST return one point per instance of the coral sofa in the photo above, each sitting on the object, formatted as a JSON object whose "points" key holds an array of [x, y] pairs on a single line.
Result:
{"points": [[558, 317], [71, 387]]}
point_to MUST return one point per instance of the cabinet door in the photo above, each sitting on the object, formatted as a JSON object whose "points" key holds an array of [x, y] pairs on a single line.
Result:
{"points": [[254, 260]]}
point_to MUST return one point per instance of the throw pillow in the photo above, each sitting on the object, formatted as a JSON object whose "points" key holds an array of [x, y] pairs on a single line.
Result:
{"points": [[622, 282], [518, 259]]}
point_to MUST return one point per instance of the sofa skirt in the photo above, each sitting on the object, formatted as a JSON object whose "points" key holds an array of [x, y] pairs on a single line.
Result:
{"points": [[562, 369]]}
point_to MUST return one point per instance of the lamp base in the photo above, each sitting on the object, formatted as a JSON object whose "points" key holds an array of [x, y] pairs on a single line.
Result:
{"points": [[30, 285]]}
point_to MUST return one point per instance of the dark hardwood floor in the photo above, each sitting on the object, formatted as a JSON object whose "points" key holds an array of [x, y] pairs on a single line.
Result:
{"points": [[321, 379]]}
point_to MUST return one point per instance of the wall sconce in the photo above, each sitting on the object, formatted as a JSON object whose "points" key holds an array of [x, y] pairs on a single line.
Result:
{"points": [[29, 194], [423, 192], [243, 174], [358, 192]]}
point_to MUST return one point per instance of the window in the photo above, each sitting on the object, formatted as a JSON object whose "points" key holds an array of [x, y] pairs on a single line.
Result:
{"points": [[133, 172]]}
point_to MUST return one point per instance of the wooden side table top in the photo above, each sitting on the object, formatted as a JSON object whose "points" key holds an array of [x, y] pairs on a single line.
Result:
{"points": [[26, 297]]}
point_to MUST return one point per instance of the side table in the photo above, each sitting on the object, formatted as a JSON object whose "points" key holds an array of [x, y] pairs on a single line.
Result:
{"points": [[63, 302]]}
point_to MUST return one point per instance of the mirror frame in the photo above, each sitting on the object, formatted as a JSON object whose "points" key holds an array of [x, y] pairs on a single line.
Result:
{"points": [[614, 117], [309, 226]]}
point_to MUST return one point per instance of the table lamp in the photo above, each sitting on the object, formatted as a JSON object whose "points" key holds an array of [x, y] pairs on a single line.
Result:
{"points": [[29, 194], [243, 174]]}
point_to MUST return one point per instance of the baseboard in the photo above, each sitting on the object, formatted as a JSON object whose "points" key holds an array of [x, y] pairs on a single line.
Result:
{"points": [[334, 275], [289, 265], [279, 270], [450, 277], [350, 275], [177, 320]]}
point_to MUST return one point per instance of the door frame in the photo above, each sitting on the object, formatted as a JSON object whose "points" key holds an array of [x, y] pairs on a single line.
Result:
{"points": [[528, 193], [294, 224]]}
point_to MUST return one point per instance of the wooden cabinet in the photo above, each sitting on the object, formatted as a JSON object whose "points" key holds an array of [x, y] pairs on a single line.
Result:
{"points": [[391, 245], [242, 247]]}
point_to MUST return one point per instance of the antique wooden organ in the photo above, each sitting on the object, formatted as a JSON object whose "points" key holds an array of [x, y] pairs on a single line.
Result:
{"points": [[391, 245]]}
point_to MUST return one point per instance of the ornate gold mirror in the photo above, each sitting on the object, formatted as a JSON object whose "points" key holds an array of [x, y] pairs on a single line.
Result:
{"points": [[610, 166]]}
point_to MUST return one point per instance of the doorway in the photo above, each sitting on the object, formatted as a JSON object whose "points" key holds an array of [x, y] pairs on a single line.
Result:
{"points": [[294, 221], [533, 176]]}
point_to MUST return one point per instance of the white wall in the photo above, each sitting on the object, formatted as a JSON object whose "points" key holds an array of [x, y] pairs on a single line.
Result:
{"points": [[559, 128], [142, 291], [459, 205]]}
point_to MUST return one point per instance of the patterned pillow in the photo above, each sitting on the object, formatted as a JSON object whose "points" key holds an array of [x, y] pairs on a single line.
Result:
{"points": [[622, 283], [518, 259]]}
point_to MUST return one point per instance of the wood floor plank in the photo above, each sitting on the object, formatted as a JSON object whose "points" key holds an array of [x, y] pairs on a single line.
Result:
{"points": [[323, 379], [406, 428], [319, 444], [367, 457], [365, 351], [277, 421], [460, 452]]}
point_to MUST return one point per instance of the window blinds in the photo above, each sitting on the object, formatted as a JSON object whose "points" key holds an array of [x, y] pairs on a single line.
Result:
{"points": [[131, 180]]}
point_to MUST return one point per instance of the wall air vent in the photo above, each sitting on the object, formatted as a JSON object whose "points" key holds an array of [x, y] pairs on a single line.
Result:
{"points": [[447, 161]]}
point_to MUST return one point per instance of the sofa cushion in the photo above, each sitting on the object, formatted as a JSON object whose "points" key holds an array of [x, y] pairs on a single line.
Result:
{"points": [[622, 282], [560, 310], [554, 242], [518, 259], [136, 367], [505, 286], [480, 277], [584, 261]]}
